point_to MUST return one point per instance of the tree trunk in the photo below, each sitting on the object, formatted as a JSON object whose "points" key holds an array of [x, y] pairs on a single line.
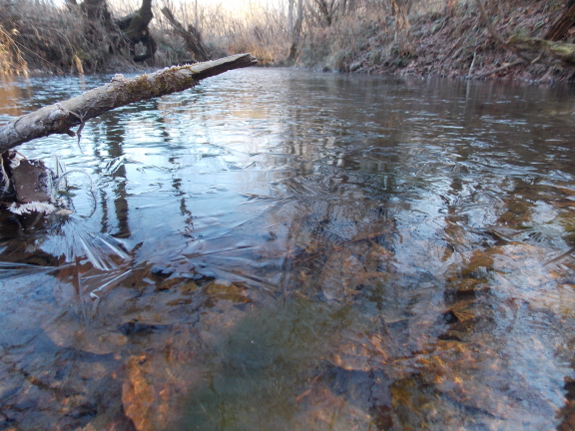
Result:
{"points": [[400, 10], [562, 25], [96, 10], [135, 27], [192, 38], [293, 52], [61, 117], [291, 6], [326, 11]]}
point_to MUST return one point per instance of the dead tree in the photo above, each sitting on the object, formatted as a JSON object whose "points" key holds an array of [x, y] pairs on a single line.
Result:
{"points": [[296, 35], [29, 181], [135, 28], [562, 51], [192, 36], [400, 10], [63, 116]]}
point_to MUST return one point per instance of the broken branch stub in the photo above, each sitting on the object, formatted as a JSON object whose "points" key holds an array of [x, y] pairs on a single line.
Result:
{"points": [[61, 117]]}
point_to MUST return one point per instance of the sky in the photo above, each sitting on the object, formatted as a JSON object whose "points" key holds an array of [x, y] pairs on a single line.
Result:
{"points": [[174, 4]]}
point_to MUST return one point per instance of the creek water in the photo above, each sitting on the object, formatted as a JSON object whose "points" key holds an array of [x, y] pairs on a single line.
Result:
{"points": [[284, 250]]}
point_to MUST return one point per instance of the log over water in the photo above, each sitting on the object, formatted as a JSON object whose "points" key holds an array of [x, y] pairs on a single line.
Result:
{"points": [[61, 117]]}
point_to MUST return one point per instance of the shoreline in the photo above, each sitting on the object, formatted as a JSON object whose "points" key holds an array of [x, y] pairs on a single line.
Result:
{"points": [[447, 44], [453, 42]]}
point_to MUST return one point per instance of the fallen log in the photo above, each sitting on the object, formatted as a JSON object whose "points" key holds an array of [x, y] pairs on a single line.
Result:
{"points": [[560, 50], [61, 117], [499, 69], [562, 25]]}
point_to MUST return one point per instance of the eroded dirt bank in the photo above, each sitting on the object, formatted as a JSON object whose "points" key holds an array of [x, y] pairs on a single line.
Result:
{"points": [[452, 43]]}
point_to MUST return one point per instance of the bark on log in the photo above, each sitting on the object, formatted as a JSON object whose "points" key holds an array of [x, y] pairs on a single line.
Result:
{"points": [[61, 117], [562, 25], [191, 38]]}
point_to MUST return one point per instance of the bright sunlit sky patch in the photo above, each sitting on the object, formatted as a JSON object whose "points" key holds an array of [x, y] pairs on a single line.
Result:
{"points": [[226, 4], [124, 6]]}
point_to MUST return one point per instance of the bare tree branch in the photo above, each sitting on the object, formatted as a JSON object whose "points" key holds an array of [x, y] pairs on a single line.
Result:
{"points": [[193, 42], [499, 69]]}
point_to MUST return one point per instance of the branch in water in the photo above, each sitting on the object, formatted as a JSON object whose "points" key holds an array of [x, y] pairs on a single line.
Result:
{"points": [[61, 117]]}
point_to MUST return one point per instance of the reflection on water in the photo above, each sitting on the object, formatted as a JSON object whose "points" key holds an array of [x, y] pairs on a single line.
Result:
{"points": [[294, 251]]}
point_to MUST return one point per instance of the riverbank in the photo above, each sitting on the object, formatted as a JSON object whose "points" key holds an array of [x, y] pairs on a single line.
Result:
{"points": [[450, 40], [453, 43]]}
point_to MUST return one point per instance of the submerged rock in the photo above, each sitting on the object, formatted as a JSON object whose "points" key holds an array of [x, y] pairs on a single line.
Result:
{"points": [[158, 382]]}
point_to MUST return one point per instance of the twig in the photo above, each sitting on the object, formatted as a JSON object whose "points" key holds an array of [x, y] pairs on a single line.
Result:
{"points": [[5, 179], [499, 69], [561, 256], [515, 63]]}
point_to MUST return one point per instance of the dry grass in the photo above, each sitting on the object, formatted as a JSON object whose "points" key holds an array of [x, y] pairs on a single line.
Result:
{"points": [[49, 38], [257, 29], [268, 43], [11, 59], [441, 37], [440, 42], [56, 39]]}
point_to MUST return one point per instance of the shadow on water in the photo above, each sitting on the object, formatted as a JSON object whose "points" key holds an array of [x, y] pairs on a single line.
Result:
{"points": [[260, 371], [296, 251]]}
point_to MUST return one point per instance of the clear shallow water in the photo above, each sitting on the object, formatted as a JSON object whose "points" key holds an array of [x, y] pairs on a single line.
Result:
{"points": [[284, 250]]}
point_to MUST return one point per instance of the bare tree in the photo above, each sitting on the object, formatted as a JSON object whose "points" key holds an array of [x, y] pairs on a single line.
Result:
{"points": [[326, 11], [192, 36], [293, 53], [400, 10], [291, 6], [135, 27]]}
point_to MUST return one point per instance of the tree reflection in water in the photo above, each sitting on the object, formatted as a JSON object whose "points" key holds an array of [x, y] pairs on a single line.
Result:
{"points": [[296, 251]]}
